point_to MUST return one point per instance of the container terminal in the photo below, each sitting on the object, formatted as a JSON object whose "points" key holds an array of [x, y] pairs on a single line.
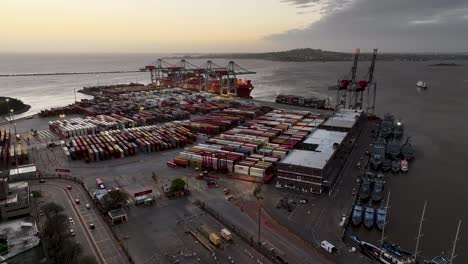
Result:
{"points": [[280, 180]]}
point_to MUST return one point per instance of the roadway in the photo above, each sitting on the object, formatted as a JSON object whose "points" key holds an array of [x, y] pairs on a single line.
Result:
{"points": [[99, 242]]}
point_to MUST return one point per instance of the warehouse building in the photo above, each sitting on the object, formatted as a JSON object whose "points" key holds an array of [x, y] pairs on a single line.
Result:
{"points": [[345, 120], [14, 199], [308, 168]]}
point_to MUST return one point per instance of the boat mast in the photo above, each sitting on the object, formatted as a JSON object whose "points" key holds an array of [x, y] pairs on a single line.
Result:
{"points": [[452, 256], [385, 223], [416, 252]]}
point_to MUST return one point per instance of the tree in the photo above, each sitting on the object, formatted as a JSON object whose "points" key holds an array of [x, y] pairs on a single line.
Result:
{"points": [[177, 185], [51, 209], [88, 260], [113, 200]]}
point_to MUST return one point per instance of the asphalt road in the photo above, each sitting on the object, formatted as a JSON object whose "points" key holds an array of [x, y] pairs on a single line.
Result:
{"points": [[100, 239], [51, 192]]}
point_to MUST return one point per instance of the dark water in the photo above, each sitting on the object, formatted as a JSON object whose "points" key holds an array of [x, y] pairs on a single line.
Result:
{"points": [[436, 120]]}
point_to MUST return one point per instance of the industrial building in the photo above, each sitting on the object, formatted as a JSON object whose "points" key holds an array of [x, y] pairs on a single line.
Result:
{"points": [[313, 165], [344, 120], [14, 199], [21, 173]]}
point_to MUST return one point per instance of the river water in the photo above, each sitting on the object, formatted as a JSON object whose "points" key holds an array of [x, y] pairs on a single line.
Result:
{"points": [[436, 121]]}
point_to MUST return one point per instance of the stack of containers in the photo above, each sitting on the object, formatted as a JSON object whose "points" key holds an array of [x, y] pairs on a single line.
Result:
{"points": [[72, 127], [259, 143], [119, 144], [4, 148], [104, 122]]}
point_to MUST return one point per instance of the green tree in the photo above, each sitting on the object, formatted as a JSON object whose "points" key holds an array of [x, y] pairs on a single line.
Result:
{"points": [[113, 200], [178, 185], [51, 209], [88, 260]]}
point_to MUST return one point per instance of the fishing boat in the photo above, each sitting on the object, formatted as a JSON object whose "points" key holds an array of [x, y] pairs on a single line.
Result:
{"points": [[404, 165], [386, 165], [377, 192], [407, 150], [366, 188], [369, 216], [356, 218], [421, 85], [386, 253], [380, 218], [396, 166]]}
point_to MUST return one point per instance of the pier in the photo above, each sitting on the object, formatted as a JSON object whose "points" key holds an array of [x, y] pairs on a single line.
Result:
{"points": [[66, 73]]}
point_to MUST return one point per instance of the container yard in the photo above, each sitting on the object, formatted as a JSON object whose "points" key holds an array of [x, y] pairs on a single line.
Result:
{"points": [[115, 144], [253, 148]]}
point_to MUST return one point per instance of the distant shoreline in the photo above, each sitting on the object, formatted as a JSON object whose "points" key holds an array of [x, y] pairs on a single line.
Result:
{"points": [[446, 64], [318, 55]]}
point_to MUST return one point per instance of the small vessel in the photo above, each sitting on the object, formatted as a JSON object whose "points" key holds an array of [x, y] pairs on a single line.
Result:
{"points": [[377, 192], [377, 153], [358, 211], [404, 165], [393, 149], [398, 129], [421, 85], [386, 165], [386, 253], [396, 166], [380, 218], [407, 150], [387, 125], [365, 190], [437, 260], [369, 216]]}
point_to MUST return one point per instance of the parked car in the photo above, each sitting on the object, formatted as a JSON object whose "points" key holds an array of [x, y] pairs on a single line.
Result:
{"points": [[69, 187], [91, 226], [77, 201], [88, 206]]}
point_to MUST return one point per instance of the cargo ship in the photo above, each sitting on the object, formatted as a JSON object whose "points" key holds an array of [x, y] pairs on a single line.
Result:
{"points": [[210, 77], [312, 102]]}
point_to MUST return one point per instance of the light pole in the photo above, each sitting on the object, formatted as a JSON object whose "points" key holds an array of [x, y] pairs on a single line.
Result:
{"points": [[14, 148], [8, 107], [97, 76]]}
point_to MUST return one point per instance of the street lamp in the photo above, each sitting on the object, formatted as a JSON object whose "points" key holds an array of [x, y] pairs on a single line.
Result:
{"points": [[12, 111]]}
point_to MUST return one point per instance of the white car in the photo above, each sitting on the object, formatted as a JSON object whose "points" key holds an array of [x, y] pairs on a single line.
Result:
{"points": [[88, 206], [72, 232]]}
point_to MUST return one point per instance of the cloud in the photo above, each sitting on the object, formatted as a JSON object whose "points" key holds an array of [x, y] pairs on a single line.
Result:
{"points": [[390, 25]]}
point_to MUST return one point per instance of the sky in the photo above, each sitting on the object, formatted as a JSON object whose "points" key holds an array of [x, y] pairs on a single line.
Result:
{"points": [[232, 26]]}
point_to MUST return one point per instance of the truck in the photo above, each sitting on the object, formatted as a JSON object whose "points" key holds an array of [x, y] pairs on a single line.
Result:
{"points": [[226, 234], [99, 184], [214, 238]]}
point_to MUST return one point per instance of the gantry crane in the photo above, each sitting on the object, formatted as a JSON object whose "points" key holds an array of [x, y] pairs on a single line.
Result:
{"points": [[186, 75]]}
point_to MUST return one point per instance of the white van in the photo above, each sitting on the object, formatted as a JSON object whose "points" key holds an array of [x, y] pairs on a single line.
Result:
{"points": [[328, 247]]}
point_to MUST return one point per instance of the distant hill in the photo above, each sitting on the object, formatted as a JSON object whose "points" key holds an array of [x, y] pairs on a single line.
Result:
{"points": [[308, 54]]}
